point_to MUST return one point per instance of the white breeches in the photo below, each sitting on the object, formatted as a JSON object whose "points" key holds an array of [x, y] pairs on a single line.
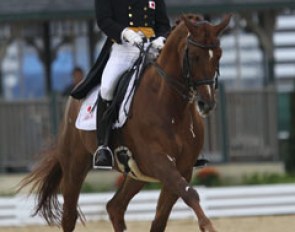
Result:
{"points": [[121, 58]]}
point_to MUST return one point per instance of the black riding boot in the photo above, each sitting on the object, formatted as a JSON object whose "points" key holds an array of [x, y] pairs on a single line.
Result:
{"points": [[103, 156]]}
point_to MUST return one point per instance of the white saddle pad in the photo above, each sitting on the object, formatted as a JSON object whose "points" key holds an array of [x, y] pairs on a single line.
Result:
{"points": [[86, 119]]}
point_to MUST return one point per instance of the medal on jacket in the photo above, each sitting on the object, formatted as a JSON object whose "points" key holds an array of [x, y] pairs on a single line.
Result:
{"points": [[152, 5]]}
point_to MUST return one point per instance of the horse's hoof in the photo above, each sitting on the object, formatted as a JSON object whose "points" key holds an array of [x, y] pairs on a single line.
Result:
{"points": [[206, 226]]}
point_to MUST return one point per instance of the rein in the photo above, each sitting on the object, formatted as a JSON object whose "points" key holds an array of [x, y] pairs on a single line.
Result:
{"points": [[185, 89], [177, 85]]}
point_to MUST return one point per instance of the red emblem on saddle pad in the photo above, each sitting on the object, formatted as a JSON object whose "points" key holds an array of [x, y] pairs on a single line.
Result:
{"points": [[152, 5], [89, 109]]}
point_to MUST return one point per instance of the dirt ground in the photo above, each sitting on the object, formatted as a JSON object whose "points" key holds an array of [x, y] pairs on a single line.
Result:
{"points": [[247, 224]]}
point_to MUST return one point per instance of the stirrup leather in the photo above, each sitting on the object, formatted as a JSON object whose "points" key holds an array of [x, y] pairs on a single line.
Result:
{"points": [[96, 153]]}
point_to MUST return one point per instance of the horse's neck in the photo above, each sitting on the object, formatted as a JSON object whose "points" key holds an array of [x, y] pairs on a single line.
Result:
{"points": [[163, 92], [171, 62], [169, 58]]}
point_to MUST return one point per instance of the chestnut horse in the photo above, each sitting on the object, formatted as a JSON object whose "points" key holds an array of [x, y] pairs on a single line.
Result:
{"points": [[165, 134]]}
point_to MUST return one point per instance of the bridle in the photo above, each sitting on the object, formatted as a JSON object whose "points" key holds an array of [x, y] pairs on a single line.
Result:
{"points": [[190, 82], [190, 85]]}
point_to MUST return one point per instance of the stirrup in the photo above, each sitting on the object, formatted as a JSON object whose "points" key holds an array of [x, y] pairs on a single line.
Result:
{"points": [[96, 153]]}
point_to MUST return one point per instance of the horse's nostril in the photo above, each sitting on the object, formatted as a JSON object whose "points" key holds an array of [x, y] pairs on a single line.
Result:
{"points": [[201, 105]]}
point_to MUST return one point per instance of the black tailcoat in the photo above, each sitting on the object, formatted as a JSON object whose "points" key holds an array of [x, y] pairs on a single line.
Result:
{"points": [[113, 16]]}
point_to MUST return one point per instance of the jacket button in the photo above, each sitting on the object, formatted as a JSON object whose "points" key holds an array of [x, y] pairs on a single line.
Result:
{"points": [[129, 7], [131, 23], [145, 8], [130, 15]]}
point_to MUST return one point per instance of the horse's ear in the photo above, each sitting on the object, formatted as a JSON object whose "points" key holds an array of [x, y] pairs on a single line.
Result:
{"points": [[190, 26], [224, 23]]}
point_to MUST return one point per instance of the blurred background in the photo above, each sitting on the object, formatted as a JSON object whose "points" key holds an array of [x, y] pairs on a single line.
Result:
{"points": [[252, 130]]}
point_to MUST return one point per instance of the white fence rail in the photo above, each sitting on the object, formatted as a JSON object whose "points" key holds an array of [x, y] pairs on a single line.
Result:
{"points": [[217, 202]]}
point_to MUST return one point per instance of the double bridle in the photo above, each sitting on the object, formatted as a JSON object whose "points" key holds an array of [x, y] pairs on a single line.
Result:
{"points": [[190, 85]]}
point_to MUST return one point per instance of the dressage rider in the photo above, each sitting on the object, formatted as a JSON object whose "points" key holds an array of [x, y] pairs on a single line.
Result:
{"points": [[126, 23]]}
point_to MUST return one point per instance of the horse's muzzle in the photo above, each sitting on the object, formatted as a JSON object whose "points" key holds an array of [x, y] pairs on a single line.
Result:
{"points": [[205, 107]]}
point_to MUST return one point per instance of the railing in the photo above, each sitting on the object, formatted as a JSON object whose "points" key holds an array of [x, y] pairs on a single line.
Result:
{"points": [[26, 127], [216, 202], [243, 128], [252, 125]]}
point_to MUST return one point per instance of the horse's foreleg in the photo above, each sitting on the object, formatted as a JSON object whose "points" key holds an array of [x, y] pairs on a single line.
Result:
{"points": [[164, 207], [165, 203], [117, 206], [167, 173], [75, 172]]}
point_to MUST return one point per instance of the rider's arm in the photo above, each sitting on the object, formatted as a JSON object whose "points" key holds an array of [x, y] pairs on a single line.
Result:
{"points": [[104, 18], [162, 25]]}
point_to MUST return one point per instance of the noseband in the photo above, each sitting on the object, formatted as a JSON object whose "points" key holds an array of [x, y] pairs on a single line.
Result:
{"points": [[189, 83]]}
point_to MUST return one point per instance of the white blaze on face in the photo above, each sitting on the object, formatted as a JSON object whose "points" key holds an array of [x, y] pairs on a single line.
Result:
{"points": [[210, 54], [209, 90]]}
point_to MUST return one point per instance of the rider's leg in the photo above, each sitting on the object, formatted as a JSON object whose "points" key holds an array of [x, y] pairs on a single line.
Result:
{"points": [[103, 157], [121, 58]]}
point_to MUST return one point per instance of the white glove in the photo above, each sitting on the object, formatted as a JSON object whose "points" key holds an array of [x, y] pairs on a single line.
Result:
{"points": [[131, 37], [159, 43]]}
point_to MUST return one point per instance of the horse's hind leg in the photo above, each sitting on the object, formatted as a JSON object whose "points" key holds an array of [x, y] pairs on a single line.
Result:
{"points": [[117, 206], [75, 170]]}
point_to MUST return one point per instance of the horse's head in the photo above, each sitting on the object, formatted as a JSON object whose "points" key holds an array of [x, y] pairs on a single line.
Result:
{"points": [[200, 57]]}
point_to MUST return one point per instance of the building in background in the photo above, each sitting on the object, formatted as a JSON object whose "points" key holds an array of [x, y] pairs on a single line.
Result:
{"points": [[68, 28]]}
